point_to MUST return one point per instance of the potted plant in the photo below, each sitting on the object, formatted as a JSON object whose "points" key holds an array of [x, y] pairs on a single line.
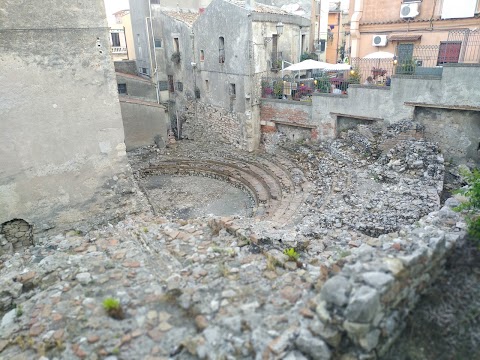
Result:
{"points": [[278, 89]]}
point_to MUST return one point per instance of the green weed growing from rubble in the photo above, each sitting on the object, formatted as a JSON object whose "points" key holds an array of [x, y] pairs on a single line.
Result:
{"points": [[113, 308], [292, 254], [19, 311], [472, 205]]}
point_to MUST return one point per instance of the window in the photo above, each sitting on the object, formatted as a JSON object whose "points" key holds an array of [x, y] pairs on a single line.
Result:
{"points": [[158, 43], [122, 89], [202, 55], [449, 52], [171, 87], [233, 92], [176, 46], [179, 86], [143, 71], [221, 50], [115, 39], [155, 2], [163, 85], [207, 85]]}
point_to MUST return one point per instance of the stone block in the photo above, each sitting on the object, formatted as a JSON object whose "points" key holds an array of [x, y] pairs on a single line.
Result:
{"points": [[363, 305]]}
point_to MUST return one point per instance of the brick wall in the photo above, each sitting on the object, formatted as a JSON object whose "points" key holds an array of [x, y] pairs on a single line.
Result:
{"points": [[295, 112]]}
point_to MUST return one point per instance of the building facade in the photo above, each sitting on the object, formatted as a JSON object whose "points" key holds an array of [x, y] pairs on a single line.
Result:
{"points": [[397, 27]]}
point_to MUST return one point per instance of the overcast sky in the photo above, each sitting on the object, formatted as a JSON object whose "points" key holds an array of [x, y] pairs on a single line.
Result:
{"points": [[112, 6]]}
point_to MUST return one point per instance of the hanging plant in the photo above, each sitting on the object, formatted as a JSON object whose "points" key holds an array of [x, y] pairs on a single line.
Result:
{"points": [[176, 57]]}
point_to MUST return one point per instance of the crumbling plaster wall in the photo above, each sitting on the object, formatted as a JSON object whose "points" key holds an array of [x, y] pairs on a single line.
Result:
{"points": [[62, 159]]}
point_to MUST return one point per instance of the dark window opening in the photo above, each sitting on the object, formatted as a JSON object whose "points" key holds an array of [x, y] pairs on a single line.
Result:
{"points": [[163, 85], [233, 92], [171, 87], [158, 43], [143, 71], [179, 86], [221, 50], [115, 39], [122, 88], [202, 55], [207, 85], [176, 45]]}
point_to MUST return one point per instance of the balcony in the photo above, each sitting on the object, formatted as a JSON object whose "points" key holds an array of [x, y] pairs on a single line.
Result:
{"points": [[119, 50]]}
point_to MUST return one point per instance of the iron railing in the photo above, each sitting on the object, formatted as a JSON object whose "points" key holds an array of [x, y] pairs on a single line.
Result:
{"points": [[470, 44], [302, 89]]}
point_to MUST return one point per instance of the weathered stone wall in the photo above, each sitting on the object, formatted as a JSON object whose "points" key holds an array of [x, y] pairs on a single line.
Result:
{"points": [[62, 159], [457, 130], [371, 297], [15, 235], [126, 67], [138, 87], [215, 123], [455, 96], [144, 123]]}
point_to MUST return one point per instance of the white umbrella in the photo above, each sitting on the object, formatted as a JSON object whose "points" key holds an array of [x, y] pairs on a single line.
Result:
{"points": [[338, 67], [308, 64], [380, 55]]}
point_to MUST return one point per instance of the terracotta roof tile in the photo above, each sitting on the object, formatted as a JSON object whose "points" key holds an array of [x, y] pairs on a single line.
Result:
{"points": [[184, 16], [260, 8]]}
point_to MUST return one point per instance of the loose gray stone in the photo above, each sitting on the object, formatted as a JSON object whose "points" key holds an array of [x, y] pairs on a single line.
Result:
{"points": [[311, 346], [363, 305], [377, 279], [84, 278], [336, 290]]}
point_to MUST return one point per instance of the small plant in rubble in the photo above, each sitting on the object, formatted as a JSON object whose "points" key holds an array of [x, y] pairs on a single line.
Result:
{"points": [[113, 308], [472, 205], [292, 254]]}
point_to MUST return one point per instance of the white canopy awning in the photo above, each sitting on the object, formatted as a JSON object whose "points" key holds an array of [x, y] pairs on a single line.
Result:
{"points": [[380, 55], [308, 64]]}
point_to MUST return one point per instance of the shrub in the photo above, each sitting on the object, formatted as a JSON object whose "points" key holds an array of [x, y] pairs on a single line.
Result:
{"points": [[113, 308], [472, 205]]}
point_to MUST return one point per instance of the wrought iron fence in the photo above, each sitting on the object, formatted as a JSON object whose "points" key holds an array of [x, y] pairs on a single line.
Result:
{"points": [[377, 69], [469, 40], [302, 89]]}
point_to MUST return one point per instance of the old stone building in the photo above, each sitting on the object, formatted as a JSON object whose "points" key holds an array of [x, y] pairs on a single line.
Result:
{"points": [[62, 160], [208, 64]]}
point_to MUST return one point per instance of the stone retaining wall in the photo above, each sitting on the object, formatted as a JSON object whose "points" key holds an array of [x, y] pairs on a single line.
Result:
{"points": [[363, 305], [15, 235], [212, 122]]}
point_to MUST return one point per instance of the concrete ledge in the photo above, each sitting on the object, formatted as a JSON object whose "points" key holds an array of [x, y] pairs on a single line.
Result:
{"points": [[331, 95], [134, 77], [305, 126], [295, 102], [462, 65], [130, 100], [451, 107], [372, 87], [417, 77], [368, 118]]}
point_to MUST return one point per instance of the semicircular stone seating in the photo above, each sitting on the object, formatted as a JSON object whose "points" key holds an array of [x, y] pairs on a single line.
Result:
{"points": [[266, 179]]}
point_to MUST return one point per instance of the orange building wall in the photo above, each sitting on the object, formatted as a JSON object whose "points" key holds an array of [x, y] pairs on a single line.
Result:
{"points": [[332, 46]]}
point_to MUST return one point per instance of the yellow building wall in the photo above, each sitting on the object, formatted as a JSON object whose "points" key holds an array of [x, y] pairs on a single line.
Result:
{"points": [[127, 24]]}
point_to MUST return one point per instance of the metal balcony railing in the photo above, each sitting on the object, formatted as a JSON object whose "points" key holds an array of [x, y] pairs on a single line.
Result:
{"points": [[119, 50]]}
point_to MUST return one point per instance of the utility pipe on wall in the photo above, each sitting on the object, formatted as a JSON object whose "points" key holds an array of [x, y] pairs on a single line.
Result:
{"points": [[355, 28]]}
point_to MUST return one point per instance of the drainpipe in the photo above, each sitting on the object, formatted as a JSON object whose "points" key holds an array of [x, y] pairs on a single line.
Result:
{"points": [[355, 28], [150, 43]]}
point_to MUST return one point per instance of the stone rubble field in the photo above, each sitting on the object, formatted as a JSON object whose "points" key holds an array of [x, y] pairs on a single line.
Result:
{"points": [[367, 225]]}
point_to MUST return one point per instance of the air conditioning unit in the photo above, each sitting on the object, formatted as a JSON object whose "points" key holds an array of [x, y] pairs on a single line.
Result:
{"points": [[379, 40], [408, 11]]}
